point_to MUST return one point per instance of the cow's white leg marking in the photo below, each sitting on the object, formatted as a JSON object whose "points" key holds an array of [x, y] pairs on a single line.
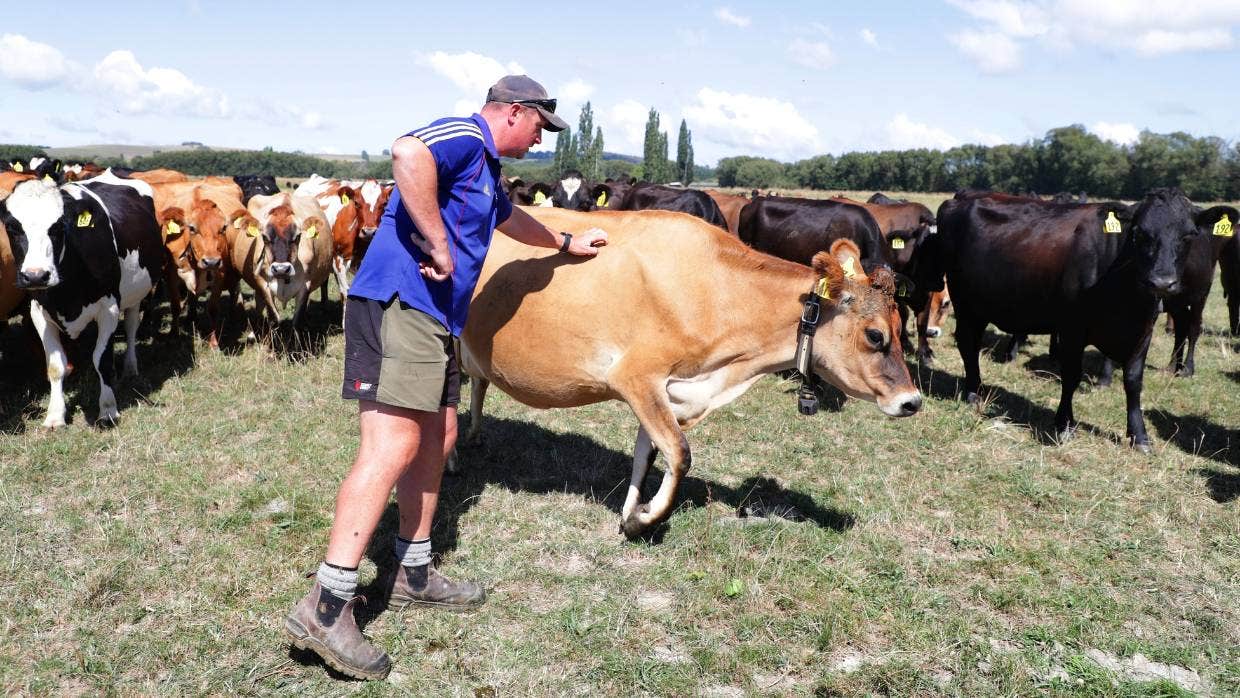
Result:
{"points": [[340, 266], [132, 317], [477, 394], [54, 353], [643, 454], [106, 322]]}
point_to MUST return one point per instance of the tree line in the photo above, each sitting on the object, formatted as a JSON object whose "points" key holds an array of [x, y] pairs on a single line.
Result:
{"points": [[206, 161], [1066, 159]]}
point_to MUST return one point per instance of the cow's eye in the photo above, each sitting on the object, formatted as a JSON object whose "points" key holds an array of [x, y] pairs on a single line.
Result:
{"points": [[874, 337]]}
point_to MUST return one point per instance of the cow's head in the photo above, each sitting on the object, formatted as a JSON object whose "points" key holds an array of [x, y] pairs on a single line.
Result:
{"points": [[281, 236], [348, 223], [36, 216], [937, 308], [857, 349], [197, 241], [374, 199], [540, 194], [572, 193], [1162, 225]]}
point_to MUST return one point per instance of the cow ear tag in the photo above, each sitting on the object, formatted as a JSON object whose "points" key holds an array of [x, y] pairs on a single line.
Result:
{"points": [[84, 219], [1112, 224], [252, 231], [897, 243], [344, 199], [1224, 228], [601, 200], [823, 290], [48, 179], [172, 229], [312, 231], [539, 198], [849, 270], [17, 167]]}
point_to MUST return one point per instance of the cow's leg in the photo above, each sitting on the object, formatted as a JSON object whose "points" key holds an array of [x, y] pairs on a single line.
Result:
{"points": [[132, 317], [1013, 348], [1108, 368], [172, 283], [477, 394], [213, 315], [303, 297], [1179, 324], [1134, 373], [1071, 350], [57, 364], [924, 353], [656, 418], [102, 358], [905, 343], [968, 342], [1194, 332], [340, 268], [644, 453]]}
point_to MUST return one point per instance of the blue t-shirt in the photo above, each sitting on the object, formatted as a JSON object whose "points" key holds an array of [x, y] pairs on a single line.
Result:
{"points": [[471, 204]]}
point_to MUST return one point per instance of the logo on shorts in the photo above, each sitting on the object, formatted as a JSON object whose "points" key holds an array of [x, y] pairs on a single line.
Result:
{"points": [[359, 386]]}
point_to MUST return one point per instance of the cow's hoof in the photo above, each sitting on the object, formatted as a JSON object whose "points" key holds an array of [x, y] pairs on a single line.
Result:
{"points": [[53, 424], [632, 527], [1143, 447], [972, 398], [452, 465], [1066, 434]]}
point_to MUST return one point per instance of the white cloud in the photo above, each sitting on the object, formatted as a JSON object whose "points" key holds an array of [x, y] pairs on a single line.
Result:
{"points": [[816, 55], [725, 15], [575, 92], [472, 72], [1019, 19], [1122, 134], [903, 133], [624, 126], [32, 64], [993, 52], [747, 123], [136, 90], [466, 107], [869, 37], [1157, 42], [986, 138]]}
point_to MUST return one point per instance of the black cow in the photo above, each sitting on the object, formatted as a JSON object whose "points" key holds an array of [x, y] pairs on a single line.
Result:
{"points": [[642, 197], [797, 229], [1229, 276], [572, 192], [1090, 274], [610, 192], [252, 185], [86, 253]]}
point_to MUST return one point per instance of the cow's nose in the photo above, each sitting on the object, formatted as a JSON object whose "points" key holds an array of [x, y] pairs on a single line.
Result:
{"points": [[911, 405], [281, 269], [367, 232], [33, 278], [210, 262], [1164, 285], [933, 332]]}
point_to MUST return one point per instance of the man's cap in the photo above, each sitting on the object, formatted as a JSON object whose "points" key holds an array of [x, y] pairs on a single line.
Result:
{"points": [[522, 89]]}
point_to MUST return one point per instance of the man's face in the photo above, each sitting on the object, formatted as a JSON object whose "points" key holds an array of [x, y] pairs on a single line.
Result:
{"points": [[528, 127]]}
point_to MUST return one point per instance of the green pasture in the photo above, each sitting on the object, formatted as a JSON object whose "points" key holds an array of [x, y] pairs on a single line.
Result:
{"points": [[956, 552]]}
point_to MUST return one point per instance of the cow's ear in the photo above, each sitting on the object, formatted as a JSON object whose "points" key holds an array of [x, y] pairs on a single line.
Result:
{"points": [[848, 255], [600, 194], [171, 221], [347, 195], [830, 277], [1219, 221]]}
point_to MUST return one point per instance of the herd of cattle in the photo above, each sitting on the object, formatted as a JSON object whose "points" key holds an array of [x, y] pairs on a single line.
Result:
{"points": [[87, 247]]}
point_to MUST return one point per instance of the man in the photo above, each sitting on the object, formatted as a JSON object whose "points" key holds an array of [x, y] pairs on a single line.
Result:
{"points": [[408, 301]]}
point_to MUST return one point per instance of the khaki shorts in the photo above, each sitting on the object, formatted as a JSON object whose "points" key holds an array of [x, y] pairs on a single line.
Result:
{"points": [[398, 356]]}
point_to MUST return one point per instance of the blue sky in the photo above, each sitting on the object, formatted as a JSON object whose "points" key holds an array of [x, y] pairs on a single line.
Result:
{"points": [[783, 80]]}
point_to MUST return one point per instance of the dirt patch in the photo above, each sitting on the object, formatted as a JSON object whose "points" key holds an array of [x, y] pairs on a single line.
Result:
{"points": [[1139, 668]]}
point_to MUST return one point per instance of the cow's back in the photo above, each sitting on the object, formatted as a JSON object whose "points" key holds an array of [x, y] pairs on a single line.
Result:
{"points": [[797, 229], [139, 243]]}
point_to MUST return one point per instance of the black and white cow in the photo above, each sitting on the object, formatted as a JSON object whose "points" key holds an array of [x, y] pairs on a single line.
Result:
{"points": [[87, 252]]}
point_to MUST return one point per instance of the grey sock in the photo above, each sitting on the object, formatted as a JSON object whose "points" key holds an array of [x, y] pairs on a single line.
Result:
{"points": [[412, 553], [341, 582]]}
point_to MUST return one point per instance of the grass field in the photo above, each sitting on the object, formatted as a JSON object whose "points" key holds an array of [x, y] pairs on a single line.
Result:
{"points": [[957, 552]]}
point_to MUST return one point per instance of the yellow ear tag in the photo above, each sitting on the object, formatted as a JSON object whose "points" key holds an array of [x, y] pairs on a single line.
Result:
{"points": [[172, 229], [601, 200], [539, 198], [48, 179], [897, 243], [17, 167], [312, 231], [84, 219], [1112, 224], [344, 199], [1224, 228], [849, 270], [252, 231], [823, 289]]}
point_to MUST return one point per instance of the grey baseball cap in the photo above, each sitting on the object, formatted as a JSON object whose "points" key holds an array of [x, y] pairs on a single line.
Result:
{"points": [[522, 89]]}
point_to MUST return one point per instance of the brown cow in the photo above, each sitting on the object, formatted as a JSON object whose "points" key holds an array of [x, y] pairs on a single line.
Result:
{"points": [[10, 296], [283, 250], [677, 318], [195, 219], [160, 176], [730, 206]]}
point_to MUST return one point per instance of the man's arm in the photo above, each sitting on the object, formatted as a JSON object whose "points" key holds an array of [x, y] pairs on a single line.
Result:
{"points": [[522, 227], [413, 168]]}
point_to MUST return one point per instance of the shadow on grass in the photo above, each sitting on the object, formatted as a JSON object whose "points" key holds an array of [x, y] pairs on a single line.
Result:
{"points": [[1039, 420], [1234, 375], [1224, 487], [1198, 436]]}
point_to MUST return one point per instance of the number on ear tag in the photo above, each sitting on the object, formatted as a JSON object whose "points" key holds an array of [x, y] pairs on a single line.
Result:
{"points": [[172, 229], [897, 243], [252, 231], [601, 200], [823, 289], [344, 199], [83, 219], [849, 270], [1112, 224], [1224, 228]]}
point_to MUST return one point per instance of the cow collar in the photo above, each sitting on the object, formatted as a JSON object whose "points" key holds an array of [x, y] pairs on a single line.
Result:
{"points": [[811, 313]]}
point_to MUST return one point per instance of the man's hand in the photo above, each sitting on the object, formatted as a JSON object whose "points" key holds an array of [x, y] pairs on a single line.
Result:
{"points": [[440, 266], [586, 243]]}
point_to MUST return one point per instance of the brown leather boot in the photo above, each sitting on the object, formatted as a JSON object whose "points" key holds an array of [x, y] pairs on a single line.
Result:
{"points": [[423, 585], [324, 624]]}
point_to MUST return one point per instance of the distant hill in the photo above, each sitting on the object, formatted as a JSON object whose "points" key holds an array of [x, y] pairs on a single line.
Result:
{"points": [[116, 150]]}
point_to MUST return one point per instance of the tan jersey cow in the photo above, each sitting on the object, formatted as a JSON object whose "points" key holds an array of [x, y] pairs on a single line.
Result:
{"points": [[730, 206], [676, 318], [283, 251], [194, 218]]}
